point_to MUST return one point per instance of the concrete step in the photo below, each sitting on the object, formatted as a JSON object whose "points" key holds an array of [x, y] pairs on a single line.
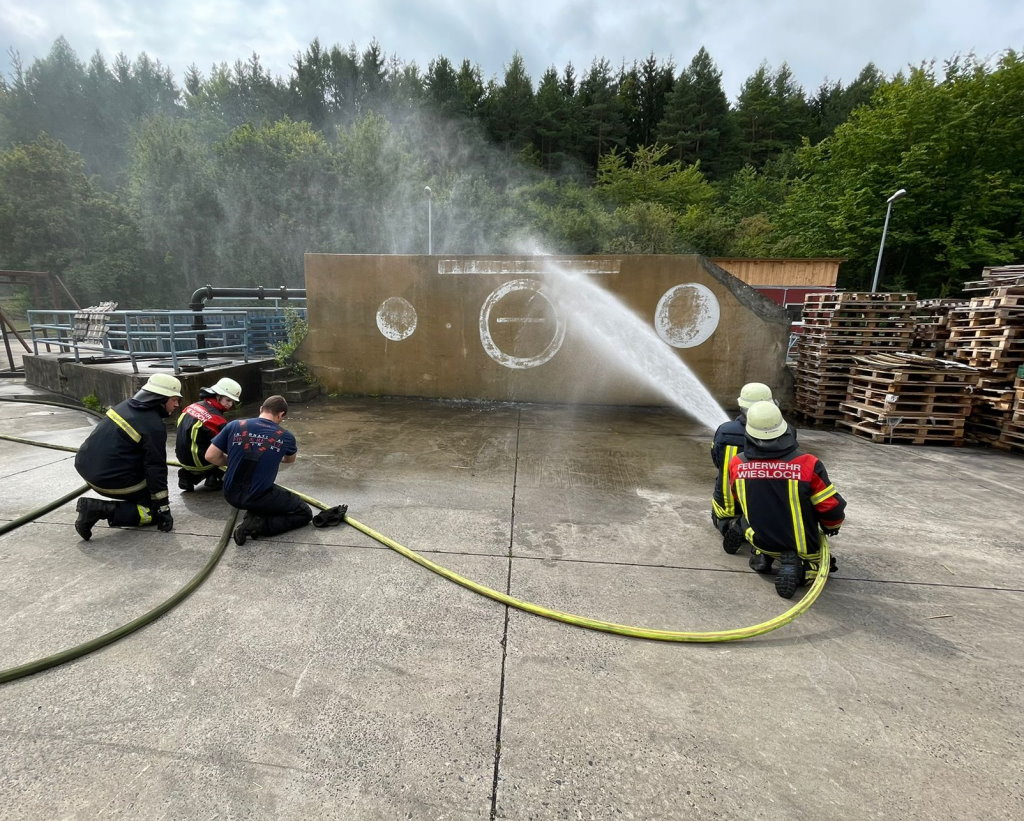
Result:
{"points": [[304, 394], [274, 373]]}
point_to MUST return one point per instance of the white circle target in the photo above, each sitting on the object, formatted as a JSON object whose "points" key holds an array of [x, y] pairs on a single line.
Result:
{"points": [[494, 351], [687, 315], [396, 318]]}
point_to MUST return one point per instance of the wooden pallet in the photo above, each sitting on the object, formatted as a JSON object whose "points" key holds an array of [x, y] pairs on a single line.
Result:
{"points": [[909, 403], [896, 432]]}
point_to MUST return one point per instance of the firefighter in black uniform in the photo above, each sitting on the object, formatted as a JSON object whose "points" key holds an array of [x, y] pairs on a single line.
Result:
{"points": [[197, 426], [125, 458], [788, 503], [728, 441]]}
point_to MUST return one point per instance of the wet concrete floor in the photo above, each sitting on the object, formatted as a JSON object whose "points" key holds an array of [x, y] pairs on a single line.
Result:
{"points": [[321, 674]]}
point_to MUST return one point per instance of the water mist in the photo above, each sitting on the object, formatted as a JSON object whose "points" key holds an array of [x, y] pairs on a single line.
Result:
{"points": [[629, 342]]}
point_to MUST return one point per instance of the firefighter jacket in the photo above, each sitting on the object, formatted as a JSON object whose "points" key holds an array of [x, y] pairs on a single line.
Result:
{"points": [[127, 451], [784, 495], [729, 440], [197, 426]]}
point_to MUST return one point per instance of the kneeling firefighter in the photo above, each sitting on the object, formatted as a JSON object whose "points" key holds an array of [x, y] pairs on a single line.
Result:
{"points": [[125, 459], [728, 441], [197, 426], [786, 499]]}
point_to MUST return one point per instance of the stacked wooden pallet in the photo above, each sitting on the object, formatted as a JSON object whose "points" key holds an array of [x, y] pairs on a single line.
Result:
{"points": [[989, 334], [837, 327], [932, 323], [904, 398], [997, 276], [1011, 437]]}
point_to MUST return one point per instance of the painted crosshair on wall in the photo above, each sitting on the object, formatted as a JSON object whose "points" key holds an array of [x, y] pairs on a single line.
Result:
{"points": [[520, 324]]}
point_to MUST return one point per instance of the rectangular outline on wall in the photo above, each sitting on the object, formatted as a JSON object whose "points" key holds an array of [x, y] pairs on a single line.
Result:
{"points": [[527, 265]]}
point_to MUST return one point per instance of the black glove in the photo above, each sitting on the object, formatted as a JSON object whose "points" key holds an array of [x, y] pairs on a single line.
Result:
{"points": [[163, 519], [830, 531]]}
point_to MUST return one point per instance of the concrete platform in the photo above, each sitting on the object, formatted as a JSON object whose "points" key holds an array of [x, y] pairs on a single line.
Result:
{"points": [[322, 675]]}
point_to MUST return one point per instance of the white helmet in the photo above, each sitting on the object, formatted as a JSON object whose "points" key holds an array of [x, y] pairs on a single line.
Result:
{"points": [[754, 392], [163, 384], [764, 421], [227, 387]]}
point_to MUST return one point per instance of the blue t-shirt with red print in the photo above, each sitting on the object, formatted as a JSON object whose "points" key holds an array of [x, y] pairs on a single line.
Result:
{"points": [[255, 448]]}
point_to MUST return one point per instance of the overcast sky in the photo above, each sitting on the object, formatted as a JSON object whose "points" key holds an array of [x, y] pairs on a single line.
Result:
{"points": [[819, 39]]}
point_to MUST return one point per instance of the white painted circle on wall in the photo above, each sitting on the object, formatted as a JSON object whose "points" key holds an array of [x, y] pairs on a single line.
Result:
{"points": [[491, 311], [687, 315], [396, 318]]}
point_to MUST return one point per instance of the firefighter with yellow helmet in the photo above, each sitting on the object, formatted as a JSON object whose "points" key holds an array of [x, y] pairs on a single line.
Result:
{"points": [[785, 497], [197, 426], [125, 459], [728, 441]]}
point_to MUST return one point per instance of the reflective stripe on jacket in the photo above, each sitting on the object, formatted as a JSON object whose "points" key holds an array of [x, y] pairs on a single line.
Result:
{"points": [[127, 451], [197, 426], [785, 500]]}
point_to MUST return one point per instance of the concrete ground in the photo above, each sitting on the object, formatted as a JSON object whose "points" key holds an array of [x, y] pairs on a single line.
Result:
{"points": [[323, 675]]}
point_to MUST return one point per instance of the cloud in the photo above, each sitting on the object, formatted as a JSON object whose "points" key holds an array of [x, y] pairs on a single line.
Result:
{"points": [[818, 40]]}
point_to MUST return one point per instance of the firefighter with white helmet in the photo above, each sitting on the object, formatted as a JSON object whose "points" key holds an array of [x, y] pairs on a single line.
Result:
{"points": [[197, 426], [785, 498], [728, 441], [125, 459]]}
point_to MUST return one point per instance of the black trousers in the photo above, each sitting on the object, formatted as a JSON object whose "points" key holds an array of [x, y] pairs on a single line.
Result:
{"points": [[280, 509], [133, 509]]}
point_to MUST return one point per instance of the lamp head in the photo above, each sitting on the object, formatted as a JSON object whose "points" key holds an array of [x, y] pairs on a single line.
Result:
{"points": [[898, 195]]}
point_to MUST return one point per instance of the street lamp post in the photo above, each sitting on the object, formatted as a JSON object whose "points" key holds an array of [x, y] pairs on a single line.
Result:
{"points": [[430, 227], [885, 229]]}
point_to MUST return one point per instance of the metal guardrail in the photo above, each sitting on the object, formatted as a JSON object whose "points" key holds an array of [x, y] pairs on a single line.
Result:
{"points": [[137, 335]]}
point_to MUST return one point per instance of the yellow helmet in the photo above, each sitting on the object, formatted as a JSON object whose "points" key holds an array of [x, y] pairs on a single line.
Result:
{"points": [[163, 384], [227, 387], [764, 421], [754, 392]]}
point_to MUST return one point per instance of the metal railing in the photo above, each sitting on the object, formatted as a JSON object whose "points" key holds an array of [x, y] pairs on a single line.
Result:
{"points": [[138, 335]]}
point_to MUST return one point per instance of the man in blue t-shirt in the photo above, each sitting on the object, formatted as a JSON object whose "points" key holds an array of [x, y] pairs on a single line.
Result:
{"points": [[252, 450]]}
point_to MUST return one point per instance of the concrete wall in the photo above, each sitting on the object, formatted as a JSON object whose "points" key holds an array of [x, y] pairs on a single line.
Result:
{"points": [[114, 381], [489, 327]]}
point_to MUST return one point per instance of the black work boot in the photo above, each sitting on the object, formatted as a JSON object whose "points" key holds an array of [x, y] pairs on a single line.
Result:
{"points": [[214, 481], [91, 511], [732, 539], [761, 563], [790, 575], [186, 481], [250, 528]]}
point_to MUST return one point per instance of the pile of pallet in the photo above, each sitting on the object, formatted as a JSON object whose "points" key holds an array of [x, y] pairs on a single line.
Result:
{"points": [[1012, 435], [997, 276], [837, 328], [904, 398], [989, 334], [932, 323]]}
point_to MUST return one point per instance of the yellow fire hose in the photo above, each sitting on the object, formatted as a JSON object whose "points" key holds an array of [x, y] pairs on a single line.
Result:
{"points": [[568, 618], [596, 624]]}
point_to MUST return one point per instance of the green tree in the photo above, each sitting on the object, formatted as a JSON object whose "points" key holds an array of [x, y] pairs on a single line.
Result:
{"points": [[956, 143], [53, 217], [173, 190], [557, 125], [644, 228], [697, 123], [380, 188], [566, 217], [509, 108], [279, 185], [601, 114], [771, 116], [644, 176], [643, 89]]}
